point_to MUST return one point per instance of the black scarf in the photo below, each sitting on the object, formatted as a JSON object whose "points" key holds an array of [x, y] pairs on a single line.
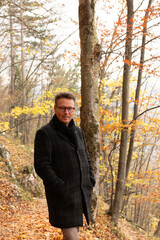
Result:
{"points": [[69, 131]]}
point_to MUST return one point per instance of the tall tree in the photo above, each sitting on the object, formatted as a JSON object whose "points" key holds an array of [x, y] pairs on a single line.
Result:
{"points": [[157, 232], [12, 83], [22, 55], [90, 60], [30, 25], [12, 56], [138, 88], [125, 113]]}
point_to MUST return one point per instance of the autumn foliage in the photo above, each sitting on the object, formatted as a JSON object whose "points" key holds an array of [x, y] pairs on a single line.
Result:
{"points": [[26, 103]]}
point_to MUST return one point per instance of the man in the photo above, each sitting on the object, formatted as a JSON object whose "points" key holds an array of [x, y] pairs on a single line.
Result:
{"points": [[61, 160]]}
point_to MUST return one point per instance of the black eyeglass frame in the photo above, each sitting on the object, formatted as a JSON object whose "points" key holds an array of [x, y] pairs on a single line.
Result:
{"points": [[63, 109]]}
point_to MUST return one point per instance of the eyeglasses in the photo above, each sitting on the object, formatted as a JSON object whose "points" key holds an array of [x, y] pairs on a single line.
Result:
{"points": [[63, 109]]}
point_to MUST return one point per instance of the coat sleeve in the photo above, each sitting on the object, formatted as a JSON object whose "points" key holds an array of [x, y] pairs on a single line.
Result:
{"points": [[43, 162], [89, 161]]}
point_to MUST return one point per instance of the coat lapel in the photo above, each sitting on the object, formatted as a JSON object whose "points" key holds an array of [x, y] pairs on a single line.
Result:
{"points": [[78, 139], [64, 137]]}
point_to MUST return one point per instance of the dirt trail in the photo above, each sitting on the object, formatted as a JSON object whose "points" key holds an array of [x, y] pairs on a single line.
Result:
{"points": [[130, 233], [30, 221]]}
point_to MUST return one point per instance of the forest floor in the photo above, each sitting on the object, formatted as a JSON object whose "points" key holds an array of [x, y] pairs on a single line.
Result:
{"points": [[24, 217], [21, 219]]}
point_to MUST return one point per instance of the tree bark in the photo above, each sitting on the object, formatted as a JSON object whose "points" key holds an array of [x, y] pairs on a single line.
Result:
{"points": [[12, 83], [138, 88], [157, 232], [25, 126], [22, 56], [125, 112], [12, 70], [90, 59]]}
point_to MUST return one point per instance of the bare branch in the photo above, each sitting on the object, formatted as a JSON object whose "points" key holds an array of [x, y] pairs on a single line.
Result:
{"points": [[16, 125], [147, 110]]}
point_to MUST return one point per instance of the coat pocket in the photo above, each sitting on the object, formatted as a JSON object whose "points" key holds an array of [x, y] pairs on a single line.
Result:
{"points": [[58, 189]]}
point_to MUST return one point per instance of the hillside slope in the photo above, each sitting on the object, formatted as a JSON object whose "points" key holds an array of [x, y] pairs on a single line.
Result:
{"points": [[26, 217]]}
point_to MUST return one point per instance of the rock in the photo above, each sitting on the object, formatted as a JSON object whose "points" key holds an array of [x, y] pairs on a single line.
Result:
{"points": [[30, 182], [4, 153]]}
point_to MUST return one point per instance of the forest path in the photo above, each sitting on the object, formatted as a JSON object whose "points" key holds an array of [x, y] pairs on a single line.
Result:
{"points": [[21, 219], [29, 220], [130, 233]]}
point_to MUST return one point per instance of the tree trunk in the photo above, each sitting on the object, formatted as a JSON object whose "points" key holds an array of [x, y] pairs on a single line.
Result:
{"points": [[90, 59], [12, 70], [125, 112], [12, 83], [25, 125], [22, 56], [157, 232], [138, 88]]}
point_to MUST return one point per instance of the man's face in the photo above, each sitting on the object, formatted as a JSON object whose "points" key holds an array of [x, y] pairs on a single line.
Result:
{"points": [[63, 114]]}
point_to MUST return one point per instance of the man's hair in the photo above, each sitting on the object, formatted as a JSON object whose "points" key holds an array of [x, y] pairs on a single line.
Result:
{"points": [[67, 95]]}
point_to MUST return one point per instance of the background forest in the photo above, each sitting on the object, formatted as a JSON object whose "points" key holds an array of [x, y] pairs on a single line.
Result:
{"points": [[116, 79]]}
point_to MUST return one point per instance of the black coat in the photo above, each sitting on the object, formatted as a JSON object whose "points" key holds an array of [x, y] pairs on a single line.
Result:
{"points": [[67, 175]]}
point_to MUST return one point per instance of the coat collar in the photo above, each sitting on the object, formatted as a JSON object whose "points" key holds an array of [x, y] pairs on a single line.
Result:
{"points": [[65, 137]]}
